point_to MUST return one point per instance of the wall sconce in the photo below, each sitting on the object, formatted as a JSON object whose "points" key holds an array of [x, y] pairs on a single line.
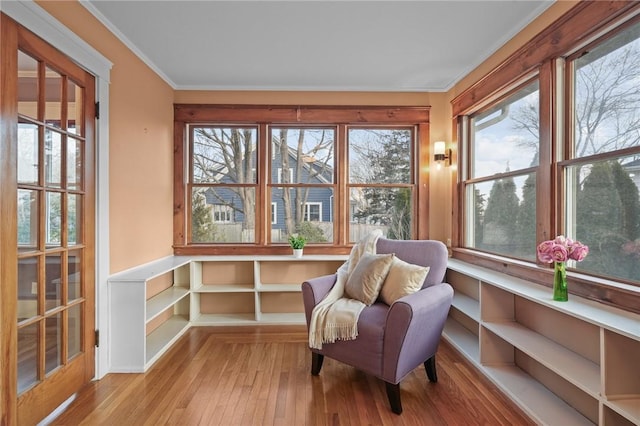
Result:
{"points": [[441, 154]]}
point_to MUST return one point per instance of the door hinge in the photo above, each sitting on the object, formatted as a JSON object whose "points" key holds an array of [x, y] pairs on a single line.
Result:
{"points": [[98, 110], [97, 338]]}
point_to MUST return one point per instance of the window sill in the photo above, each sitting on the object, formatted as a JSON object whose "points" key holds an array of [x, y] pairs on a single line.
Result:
{"points": [[609, 292]]}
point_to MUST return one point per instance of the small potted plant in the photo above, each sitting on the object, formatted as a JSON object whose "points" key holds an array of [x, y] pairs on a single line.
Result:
{"points": [[297, 243]]}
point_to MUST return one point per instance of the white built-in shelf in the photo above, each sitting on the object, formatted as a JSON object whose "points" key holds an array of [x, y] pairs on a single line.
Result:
{"points": [[225, 288], [165, 335], [223, 319], [164, 300], [618, 320], [266, 288], [467, 305], [539, 402], [151, 270], [629, 407], [563, 363], [571, 366], [464, 340], [203, 291]]}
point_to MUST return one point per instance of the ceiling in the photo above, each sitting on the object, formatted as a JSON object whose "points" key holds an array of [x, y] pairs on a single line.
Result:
{"points": [[315, 45]]}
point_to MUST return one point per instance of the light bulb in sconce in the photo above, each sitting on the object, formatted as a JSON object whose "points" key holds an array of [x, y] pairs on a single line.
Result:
{"points": [[441, 154]]}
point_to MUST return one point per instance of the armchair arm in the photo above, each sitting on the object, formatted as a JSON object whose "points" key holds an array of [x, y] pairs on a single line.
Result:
{"points": [[314, 290], [413, 329]]}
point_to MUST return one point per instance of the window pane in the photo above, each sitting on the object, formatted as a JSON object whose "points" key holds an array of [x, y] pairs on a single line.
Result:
{"points": [[607, 95], [604, 213], [74, 219], [75, 330], [54, 218], [27, 219], [74, 164], [53, 342], [380, 155], [27, 357], [27, 288], [53, 158], [53, 96], [302, 155], [74, 277], [506, 136], [218, 215], [502, 216], [388, 209], [27, 85], [75, 108], [224, 155], [307, 211], [28, 153], [53, 281]]}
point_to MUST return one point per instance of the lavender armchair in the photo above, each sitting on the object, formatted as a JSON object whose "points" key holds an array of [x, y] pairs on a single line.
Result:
{"points": [[393, 340]]}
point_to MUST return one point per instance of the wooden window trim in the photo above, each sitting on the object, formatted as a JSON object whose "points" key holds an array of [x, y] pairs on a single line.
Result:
{"points": [[287, 115], [544, 54]]}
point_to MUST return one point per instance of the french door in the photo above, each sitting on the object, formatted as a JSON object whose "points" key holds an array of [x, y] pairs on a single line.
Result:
{"points": [[47, 223]]}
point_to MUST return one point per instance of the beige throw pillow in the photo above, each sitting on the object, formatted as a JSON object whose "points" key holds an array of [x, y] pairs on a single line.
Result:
{"points": [[366, 279], [403, 279]]}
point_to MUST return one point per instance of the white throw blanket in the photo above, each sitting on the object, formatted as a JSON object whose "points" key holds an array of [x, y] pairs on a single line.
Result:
{"points": [[336, 317]]}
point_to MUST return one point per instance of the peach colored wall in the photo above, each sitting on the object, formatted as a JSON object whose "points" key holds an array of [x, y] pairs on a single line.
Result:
{"points": [[140, 145]]}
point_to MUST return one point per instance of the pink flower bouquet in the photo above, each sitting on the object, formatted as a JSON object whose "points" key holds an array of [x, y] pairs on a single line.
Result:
{"points": [[561, 249]]}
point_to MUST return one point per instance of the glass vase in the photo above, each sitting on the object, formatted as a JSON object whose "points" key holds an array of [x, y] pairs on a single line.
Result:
{"points": [[560, 292]]}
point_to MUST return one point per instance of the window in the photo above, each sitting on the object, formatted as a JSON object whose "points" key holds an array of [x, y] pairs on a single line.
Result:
{"points": [[501, 186], [283, 176], [601, 167], [312, 212], [259, 183], [222, 184], [555, 150], [308, 154], [381, 177], [222, 213]]}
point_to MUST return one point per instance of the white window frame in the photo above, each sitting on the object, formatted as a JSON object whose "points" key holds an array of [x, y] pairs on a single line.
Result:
{"points": [[274, 213], [307, 211], [280, 169], [220, 209]]}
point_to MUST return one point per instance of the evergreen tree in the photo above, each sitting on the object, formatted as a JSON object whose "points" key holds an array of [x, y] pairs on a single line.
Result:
{"points": [[526, 224], [479, 213], [630, 225], [203, 230], [599, 216], [500, 217], [628, 192], [388, 164]]}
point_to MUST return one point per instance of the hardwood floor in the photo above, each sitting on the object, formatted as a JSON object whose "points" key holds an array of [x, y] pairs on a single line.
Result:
{"points": [[243, 376]]}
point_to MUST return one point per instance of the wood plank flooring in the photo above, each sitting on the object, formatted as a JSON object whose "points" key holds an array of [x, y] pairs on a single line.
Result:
{"points": [[261, 376]]}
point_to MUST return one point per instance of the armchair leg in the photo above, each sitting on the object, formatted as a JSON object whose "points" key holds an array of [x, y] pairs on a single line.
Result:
{"points": [[430, 366], [316, 363], [393, 393]]}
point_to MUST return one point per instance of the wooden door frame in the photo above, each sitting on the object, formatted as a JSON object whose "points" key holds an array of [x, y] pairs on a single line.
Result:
{"points": [[35, 19]]}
